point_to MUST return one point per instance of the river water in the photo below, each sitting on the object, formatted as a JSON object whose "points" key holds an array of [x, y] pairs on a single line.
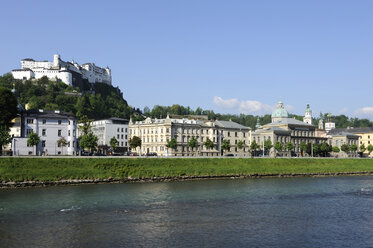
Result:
{"points": [[272, 212]]}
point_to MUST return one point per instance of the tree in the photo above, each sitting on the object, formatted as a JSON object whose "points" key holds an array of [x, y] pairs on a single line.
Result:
{"points": [[267, 144], [86, 125], [362, 148], [316, 149], [353, 147], [303, 147], [88, 141], [113, 143], [345, 148], [8, 106], [335, 149], [134, 142], [62, 142], [253, 146], [225, 145], [240, 144], [278, 146], [192, 143], [370, 148], [289, 146], [33, 140], [208, 144], [5, 137], [325, 148]]}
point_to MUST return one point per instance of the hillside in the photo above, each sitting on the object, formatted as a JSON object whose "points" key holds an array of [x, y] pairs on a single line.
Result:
{"points": [[100, 101]]}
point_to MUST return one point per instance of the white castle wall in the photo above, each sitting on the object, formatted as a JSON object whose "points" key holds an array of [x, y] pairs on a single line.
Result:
{"points": [[59, 69]]}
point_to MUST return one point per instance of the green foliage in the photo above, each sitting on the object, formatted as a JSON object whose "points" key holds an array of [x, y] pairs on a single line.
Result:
{"points": [[208, 144], [254, 145], [240, 144], [362, 148], [225, 146], [113, 143], [102, 102], [52, 169], [5, 137], [316, 149], [370, 148], [267, 144], [88, 141], [353, 147], [192, 143], [134, 142], [33, 140], [278, 146], [8, 106], [62, 142], [303, 146], [345, 148], [335, 149], [85, 128], [289, 146], [325, 149]]}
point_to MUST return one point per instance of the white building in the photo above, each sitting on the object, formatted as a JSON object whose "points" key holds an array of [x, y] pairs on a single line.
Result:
{"points": [[50, 126], [308, 115], [68, 72], [329, 124], [106, 129]]}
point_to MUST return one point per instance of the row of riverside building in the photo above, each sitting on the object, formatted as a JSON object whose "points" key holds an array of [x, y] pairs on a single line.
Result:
{"points": [[155, 134], [52, 126]]}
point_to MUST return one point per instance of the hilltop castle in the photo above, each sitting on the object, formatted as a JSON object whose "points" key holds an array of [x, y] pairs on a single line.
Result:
{"points": [[71, 73]]}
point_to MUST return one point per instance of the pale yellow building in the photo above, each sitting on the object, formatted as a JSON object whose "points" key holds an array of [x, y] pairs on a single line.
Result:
{"points": [[156, 133]]}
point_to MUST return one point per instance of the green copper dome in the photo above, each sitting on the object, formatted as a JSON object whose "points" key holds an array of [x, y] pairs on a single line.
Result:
{"points": [[280, 112], [308, 109]]}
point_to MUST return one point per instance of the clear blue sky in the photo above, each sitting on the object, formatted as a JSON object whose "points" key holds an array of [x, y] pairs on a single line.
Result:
{"points": [[229, 56]]}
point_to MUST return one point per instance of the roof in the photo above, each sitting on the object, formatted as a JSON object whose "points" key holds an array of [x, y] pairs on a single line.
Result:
{"points": [[280, 111], [360, 130], [289, 121], [55, 114], [230, 124], [350, 131], [28, 59]]}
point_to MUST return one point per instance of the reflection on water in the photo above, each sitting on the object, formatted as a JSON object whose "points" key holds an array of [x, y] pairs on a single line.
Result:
{"points": [[291, 212]]}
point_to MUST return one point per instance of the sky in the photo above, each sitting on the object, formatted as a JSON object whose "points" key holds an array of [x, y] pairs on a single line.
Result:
{"points": [[229, 56]]}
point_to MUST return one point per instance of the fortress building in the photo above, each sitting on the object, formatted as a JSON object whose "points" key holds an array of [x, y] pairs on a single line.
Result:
{"points": [[71, 73]]}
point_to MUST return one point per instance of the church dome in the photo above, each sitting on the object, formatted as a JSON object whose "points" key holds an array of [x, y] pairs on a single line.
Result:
{"points": [[308, 109], [280, 112]]}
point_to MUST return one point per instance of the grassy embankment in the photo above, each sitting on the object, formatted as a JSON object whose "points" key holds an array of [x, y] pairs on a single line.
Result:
{"points": [[54, 169]]}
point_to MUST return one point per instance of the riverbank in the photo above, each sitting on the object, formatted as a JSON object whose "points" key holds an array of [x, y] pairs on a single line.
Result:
{"points": [[22, 172]]}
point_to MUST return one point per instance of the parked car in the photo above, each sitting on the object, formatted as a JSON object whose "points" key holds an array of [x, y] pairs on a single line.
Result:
{"points": [[229, 155], [132, 154], [151, 154]]}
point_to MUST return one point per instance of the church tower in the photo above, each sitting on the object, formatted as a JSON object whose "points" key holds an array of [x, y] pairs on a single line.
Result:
{"points": [[308, 115]]}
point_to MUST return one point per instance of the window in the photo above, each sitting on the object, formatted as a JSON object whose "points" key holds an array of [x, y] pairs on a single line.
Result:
{"points": [[59, 122], [229, 134], [28, 131], [244, 134], [118, 129], [43, 143], [59, 132], [121, 137], [126, 130], [30, 121], [126, 137], [121, 143], [167, 130], [68, 133], [235, 142], [43, 132], [44, 121], [69, 122], [235, 134], [118, 136], [122, 129]]}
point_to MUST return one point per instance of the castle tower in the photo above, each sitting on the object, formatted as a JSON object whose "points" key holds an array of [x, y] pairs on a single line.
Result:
{"points": [[308, 115], [56, 60]]}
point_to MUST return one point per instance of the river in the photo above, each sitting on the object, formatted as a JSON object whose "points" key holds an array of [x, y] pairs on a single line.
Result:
{"points": [[270, 212]]}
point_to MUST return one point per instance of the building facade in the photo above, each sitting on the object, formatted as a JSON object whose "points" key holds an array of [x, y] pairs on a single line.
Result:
{"points": [[50, 126], [156, 133], [284, 129], [106, 129], [71, 73]]}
